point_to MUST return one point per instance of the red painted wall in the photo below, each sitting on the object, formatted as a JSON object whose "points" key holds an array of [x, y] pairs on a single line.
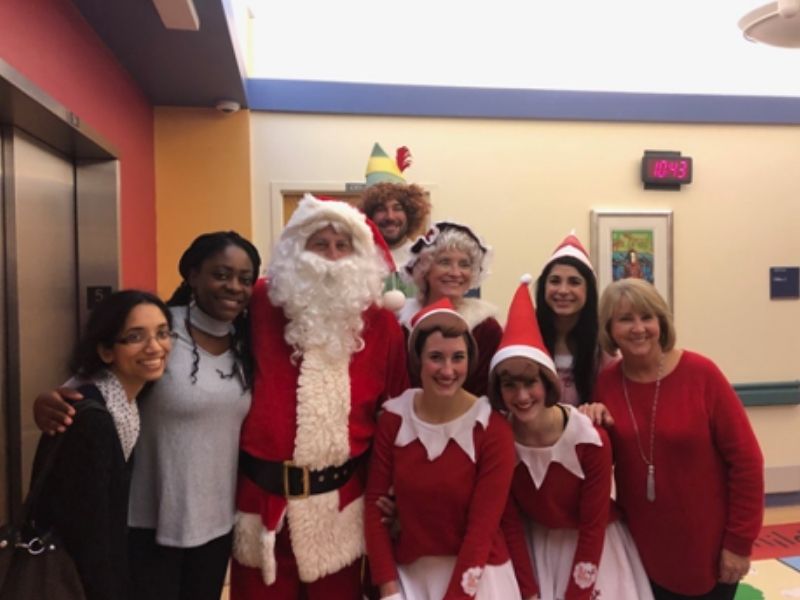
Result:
{"points": [[50, 43]]}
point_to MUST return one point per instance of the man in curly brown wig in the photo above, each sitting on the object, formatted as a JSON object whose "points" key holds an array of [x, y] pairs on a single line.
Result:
{"points": [[398, 208]]}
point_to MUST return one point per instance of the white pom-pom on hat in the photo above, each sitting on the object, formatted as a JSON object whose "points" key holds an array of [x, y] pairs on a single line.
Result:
{"points": [[393, 300]]}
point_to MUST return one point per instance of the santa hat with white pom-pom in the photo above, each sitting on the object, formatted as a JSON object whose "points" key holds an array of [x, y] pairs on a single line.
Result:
{"points": [[393, 298], [522, 338]]}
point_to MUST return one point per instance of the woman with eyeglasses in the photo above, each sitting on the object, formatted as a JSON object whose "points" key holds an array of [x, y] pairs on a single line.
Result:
{"points": [[85, 496], [184, 477]]}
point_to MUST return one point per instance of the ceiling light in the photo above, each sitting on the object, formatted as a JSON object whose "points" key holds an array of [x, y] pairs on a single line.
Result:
{"points": [[775, 24]]}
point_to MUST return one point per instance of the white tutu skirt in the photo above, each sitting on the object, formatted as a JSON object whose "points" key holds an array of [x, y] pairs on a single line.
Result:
{"points": [[427, 578], [620, 574]]}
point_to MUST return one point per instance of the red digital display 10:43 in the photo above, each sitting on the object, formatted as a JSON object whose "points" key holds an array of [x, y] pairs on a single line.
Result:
{"points": [[666, 169]]}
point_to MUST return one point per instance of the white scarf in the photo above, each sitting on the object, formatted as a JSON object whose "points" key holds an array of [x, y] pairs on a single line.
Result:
{"points": [[125, 413]]}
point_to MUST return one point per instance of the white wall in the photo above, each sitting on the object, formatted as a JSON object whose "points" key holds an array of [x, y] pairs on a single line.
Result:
{"points": [[524, 184]]}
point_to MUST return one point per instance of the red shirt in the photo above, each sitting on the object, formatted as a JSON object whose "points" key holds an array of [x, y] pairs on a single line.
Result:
{"points": [[448, 506], [709, 472], [563, 501]]}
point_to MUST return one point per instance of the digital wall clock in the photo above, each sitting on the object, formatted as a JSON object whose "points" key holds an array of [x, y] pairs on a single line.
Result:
{"points": [[665, 169]]}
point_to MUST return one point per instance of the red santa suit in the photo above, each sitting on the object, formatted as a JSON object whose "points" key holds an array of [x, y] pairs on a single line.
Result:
{"points": [[318, 412]]}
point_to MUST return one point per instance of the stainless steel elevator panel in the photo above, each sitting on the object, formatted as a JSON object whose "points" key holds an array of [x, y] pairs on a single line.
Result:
{"points": [[97, 211], [59, 252], [4, 429], [42, 278]]}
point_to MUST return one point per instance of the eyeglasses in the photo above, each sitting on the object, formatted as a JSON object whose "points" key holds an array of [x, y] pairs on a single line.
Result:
{"points": [[139, 337]]}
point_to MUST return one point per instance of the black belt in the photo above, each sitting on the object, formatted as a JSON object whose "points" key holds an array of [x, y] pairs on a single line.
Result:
{"points": [[289, 480]]}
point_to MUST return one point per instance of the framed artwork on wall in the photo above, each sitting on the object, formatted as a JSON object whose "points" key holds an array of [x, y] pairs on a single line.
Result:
{"points": [[633, 244]]}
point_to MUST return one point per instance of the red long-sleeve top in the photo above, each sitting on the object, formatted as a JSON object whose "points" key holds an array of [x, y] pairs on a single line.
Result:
{"points": [[448, 506], [709, 472], [564, 501]]}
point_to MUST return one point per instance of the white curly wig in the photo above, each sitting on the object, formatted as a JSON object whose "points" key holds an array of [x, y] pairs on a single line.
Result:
{"points": [[322, 299], [446, 235]]}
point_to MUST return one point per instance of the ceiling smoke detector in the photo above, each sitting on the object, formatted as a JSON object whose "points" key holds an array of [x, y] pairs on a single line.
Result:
{"points": [[775, 24]]}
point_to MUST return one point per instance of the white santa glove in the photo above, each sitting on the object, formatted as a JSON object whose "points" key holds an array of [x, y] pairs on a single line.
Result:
{"points": [[395, 596]]}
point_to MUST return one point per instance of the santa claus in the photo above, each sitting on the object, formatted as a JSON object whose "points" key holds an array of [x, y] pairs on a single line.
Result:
{"points": [[326, 355]]}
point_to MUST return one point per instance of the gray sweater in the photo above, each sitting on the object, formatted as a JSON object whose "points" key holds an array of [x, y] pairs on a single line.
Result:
{"points": [[184, 473]]}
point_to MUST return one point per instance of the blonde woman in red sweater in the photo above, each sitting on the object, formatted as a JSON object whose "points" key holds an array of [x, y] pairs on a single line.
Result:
{"points": [[689, 472], [449, 459]]}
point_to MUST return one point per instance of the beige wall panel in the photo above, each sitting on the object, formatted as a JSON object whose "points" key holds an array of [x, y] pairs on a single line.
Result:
{"points": [[525, 184]]}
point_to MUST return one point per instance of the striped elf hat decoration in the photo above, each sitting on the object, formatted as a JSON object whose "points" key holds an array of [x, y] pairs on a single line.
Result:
{"points": [[381, 168]]}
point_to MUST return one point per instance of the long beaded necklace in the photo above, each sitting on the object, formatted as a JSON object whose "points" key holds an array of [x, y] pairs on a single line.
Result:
{"points": [[651, 467]]}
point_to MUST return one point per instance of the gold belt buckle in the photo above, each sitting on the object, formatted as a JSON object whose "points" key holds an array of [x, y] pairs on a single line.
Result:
{"points": [[306, 481]]}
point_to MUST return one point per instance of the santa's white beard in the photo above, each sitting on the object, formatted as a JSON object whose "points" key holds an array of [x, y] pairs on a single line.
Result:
{"points": [[323, 300]]}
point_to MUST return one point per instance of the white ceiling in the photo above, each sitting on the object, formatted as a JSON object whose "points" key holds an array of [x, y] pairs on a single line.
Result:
{"points": [[680, 46]]}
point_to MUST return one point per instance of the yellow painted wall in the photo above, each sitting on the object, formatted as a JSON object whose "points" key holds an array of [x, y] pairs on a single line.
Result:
{"points": [[525, 184], [202, 181]]}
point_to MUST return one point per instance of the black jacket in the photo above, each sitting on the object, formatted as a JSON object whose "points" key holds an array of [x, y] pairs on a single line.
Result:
{"points": [[86, 499]]}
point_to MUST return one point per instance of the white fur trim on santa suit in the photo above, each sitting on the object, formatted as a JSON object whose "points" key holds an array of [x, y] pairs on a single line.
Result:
{"points": [[311, 209], [324, 538], [254, 546], [323, 411]]}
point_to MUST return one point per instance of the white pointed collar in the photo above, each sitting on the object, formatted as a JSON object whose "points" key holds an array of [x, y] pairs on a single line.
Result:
{"points": [[579, 430], [434, 437]]}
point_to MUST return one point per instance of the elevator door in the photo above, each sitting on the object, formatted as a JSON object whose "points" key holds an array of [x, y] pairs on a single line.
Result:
{"points": [[41, 279]]}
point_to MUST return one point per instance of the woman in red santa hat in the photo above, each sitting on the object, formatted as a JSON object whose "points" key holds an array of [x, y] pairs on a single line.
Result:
{"points": [[566, 303], [449, 459], [447, 262], [562, 481]]}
